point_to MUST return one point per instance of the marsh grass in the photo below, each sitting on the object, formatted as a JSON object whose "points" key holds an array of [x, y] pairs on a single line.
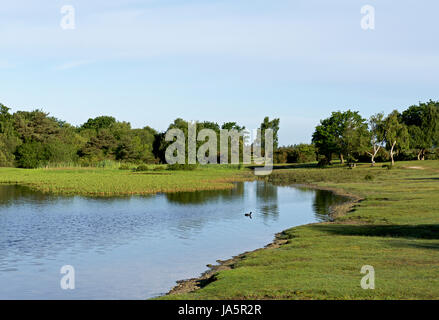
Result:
{"points": [[111, 182]]}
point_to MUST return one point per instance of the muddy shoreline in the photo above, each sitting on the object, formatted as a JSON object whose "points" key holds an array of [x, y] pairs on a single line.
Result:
{"points": [[193, 284]]}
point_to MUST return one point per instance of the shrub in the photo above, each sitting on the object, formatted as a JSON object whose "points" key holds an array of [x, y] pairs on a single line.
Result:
{"points": [[432, 154], [124, 167], [6, 158], [301, 153], [142, 167], [60, 152], [178, 166], [30, 155], [368, 177]]}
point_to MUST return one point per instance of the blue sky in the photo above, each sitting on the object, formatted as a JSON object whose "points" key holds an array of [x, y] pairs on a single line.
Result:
{"points": [[149, 62]]}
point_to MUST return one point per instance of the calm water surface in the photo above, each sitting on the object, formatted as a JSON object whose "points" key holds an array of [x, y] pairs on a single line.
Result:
{"points": [[138, 247]]}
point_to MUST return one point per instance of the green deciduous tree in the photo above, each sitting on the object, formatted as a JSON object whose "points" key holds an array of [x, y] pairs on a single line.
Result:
{"points": [[300, 153], [9, 140], [396, 134], [343, 133], [99, 147], [31, 154], [423, 126], [376, 135], [102, 122], [274, 126]]}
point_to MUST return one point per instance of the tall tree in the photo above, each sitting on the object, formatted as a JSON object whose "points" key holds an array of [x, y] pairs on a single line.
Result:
{"points": [[273, 125], [376, 135], [344, 133], [243, 139], [102, 146], [147, 139], [8, 138], [423, 126], [396, 134], [355, 138], [35, 125], [102, 122]]}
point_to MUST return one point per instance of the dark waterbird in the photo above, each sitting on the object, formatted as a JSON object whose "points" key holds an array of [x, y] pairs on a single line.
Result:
{"points": [[248, 214]]}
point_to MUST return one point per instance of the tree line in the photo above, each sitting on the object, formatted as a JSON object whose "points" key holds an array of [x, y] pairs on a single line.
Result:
{"points": [[32, 139], [413, 133]]}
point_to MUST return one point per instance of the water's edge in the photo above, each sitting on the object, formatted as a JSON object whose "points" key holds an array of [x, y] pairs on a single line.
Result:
{"points": [[193, 284]]}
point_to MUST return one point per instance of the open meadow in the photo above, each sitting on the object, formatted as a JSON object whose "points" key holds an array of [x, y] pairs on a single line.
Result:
{"points": [[394, 227]]}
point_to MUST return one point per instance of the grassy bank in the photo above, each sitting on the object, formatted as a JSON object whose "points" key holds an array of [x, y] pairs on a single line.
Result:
{"points": [[395, 229], [109, 182]]}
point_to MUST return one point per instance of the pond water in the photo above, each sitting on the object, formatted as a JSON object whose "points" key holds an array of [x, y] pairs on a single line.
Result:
{"points": [[138, 247]]}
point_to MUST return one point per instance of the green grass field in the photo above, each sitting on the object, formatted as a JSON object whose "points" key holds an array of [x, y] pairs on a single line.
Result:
{"points": [[113, 182], [395, 229]]}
